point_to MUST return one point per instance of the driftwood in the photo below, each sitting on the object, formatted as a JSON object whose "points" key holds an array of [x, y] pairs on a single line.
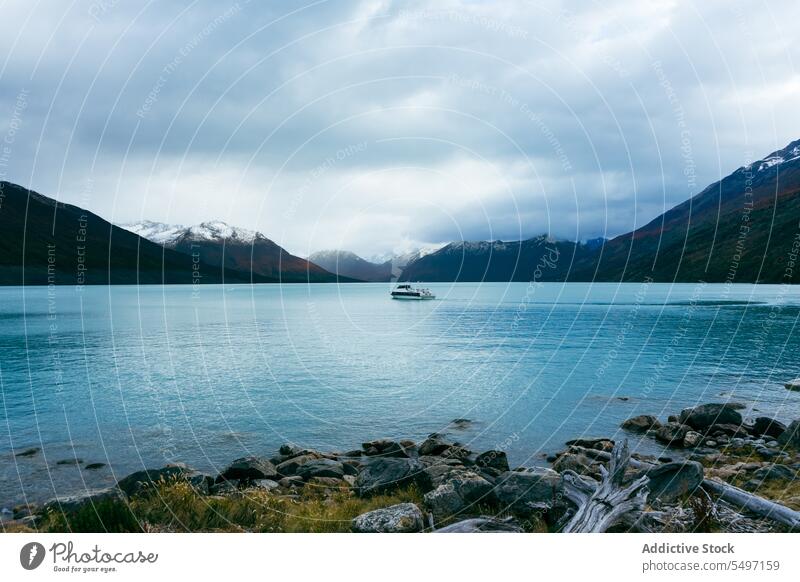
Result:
{"points": [[734, 496], [482, 525], [602, 506], [753, 503]]}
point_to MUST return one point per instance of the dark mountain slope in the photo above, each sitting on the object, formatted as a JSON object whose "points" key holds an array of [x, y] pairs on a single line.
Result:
{"points": [[741, 229], [44, 241], [536, 259]]}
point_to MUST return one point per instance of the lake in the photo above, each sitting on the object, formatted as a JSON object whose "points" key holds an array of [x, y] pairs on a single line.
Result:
{"points": [[136, 377]]}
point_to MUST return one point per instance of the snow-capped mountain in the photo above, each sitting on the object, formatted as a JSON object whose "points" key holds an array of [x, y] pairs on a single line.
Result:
{"points": [[170, 234], [790, 153], [232, 247]]}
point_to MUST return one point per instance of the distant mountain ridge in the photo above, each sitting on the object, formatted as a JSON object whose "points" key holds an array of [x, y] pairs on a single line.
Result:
{"points": [[744, 228], [43, 241], [220, 244]]}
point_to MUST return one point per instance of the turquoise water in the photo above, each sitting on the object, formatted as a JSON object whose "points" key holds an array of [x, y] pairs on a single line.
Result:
{"points": [[136, 377]]}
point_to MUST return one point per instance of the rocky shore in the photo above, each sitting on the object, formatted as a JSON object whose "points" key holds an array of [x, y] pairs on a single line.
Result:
{"points": [[733, 474]]}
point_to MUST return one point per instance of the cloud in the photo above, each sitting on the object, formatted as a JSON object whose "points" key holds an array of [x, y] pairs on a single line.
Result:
{"points": [[467, 120]]}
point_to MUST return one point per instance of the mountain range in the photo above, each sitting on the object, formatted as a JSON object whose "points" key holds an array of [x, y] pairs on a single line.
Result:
{"points": [[237, 249], [744, 228]]}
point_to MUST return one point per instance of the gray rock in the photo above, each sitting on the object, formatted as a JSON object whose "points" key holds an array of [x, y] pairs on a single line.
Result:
{"points": [[766, 453], [641, 423], [384, 474], [769, 427], [458, 494], [293, 481], [230, 487], [145, 481], [400, 518], [692, 439], [266, 484], [70, 461], [579, 463], [776, 472], [792, 435], [493, 460], [672, 481], [200, 482], [249, 468], [321, 468], [793, 384], [522, 491], [387, 448], [672, 433], [702, 417], [72, 503], [434, 445], [290, 467]]}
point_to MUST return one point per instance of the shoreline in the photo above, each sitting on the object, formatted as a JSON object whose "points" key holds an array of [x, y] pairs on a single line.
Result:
{"points": [[438, 483]]}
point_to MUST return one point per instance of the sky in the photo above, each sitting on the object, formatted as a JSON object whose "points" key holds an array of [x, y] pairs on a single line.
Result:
{"points": [[378, 126]]}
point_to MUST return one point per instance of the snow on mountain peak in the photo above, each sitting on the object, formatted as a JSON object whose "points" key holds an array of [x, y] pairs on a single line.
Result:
{"points": [[213, 230]]}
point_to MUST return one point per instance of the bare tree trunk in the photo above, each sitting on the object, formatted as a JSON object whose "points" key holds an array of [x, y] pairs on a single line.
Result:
{"points": [[753, 504], [741, 500], [601, 507]]}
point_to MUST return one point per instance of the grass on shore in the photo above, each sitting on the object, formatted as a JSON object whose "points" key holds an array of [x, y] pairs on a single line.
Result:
{"points": [[176, 507], [783, 491]]}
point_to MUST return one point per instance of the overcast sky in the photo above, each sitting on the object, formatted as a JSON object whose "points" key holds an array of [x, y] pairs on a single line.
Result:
{"points": [[381, 125]]}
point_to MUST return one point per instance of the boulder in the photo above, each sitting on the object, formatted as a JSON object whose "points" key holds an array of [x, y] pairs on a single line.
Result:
{"points": [[692, 439], [776, 472], [321, 468], [522, 491], [459, 493], [387, 448], [702, 417], [293, 481], [577, 462], [672, 433], [765, 426], [327, 483], [249, 468], [72, 503], [400, 518], [493, 460], [434, 445], [731, 430], [384, 474], [641, 423], [290, 467], [140, 482], [265, 484], [793, 384], [792, 435], [672, 481], [440, 471]]}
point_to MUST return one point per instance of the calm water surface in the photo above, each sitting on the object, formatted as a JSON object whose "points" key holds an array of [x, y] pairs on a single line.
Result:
{"points": [[139, 376]]}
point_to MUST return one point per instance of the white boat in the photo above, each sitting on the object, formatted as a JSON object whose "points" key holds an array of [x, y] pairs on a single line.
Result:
{"points": [[406, 291]]}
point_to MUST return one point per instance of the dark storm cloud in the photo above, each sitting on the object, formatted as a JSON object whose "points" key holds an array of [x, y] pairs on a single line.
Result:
{"points": [[376, 124]]}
